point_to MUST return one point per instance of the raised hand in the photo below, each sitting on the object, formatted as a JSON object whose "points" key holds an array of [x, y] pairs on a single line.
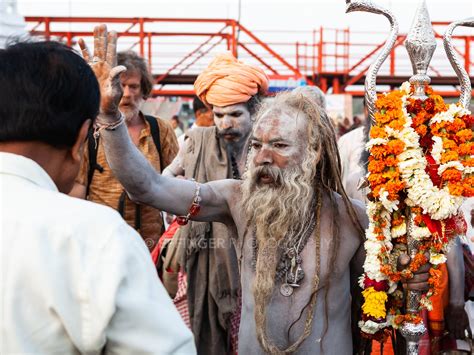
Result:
{"points": [[104, 65]]}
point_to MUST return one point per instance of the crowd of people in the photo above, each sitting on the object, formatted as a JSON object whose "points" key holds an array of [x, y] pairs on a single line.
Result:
{"points": [[264, 247]]}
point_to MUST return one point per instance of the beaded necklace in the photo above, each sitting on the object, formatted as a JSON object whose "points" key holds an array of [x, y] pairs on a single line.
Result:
{"points": [[267, 344], [289, 269]]}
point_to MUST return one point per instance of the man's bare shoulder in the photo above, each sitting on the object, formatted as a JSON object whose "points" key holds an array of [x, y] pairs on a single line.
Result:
{"points": [[228, 188], [358, 208]]}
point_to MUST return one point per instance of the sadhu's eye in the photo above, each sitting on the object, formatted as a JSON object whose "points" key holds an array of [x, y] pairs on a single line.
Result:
{"points": [[256, 145], [280, 145]]}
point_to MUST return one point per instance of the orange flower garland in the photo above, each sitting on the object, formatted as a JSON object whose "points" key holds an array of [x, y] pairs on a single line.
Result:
{"points": [[406, 131]]}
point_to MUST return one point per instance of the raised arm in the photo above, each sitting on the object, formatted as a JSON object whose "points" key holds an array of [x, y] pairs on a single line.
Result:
{"points": [[140, 180], [145, 185]]}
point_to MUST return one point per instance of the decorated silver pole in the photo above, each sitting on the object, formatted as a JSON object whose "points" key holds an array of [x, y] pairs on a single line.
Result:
{"points": [[464, 80], [420, 45], [412, 332], [371, 76]]}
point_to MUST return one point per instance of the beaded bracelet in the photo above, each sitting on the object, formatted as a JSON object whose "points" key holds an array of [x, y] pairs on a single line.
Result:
{"points": [[194, 209], [99, 126]]}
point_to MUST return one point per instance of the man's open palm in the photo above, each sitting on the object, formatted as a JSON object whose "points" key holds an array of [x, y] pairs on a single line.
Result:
{"points": [[104, 65]]}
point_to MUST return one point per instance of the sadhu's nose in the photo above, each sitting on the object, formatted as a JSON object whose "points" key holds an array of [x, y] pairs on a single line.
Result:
{"points": [[264, 157]]}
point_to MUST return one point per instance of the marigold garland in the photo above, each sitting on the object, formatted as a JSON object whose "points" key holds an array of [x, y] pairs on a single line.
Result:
{"points": [[421, 158]]}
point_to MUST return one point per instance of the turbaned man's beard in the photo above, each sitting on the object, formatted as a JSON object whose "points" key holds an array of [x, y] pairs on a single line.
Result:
{"points": [[275, 211]]}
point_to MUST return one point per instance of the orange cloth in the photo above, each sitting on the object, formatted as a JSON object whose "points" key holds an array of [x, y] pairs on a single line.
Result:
{"points": [[227, 81], [436, 316], [387, 347]]}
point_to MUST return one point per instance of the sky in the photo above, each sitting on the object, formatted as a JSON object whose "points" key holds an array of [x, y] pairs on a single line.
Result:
{"points": [[272, 20], [255, 14]]}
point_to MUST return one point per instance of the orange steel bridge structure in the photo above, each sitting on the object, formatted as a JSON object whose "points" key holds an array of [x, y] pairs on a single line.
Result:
{"points": [[177, 49]]}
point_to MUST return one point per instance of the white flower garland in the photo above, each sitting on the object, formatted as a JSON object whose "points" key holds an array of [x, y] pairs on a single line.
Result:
{"points": [[372, 245], [438, 150], [438, 203]]}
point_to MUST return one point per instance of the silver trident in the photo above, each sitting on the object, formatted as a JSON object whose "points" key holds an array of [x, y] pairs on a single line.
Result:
{"points": [[420, 45], [464, 80], [370, 78]]}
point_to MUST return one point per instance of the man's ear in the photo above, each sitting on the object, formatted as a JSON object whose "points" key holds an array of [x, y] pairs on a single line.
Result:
{"points": [[77, 149]]}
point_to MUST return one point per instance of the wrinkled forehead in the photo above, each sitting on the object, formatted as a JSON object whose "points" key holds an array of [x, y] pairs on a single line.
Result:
{"points": [[131, 75], [286, 123], [227, 110]]}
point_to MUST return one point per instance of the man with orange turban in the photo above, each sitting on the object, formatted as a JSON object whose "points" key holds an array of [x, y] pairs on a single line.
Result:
{"points": [[232, 89]]}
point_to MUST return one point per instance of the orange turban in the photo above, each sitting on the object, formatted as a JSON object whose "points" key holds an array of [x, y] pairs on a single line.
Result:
{"points": [[227, 81]]}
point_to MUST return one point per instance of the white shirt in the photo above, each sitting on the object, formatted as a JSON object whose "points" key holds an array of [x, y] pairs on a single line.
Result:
{"points": [[75, 277], [175, 168], [351, 145], [466, 208]]}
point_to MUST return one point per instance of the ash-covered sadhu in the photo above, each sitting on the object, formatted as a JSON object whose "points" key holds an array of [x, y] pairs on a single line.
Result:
{"points": [[299, 245], [208, 154]]}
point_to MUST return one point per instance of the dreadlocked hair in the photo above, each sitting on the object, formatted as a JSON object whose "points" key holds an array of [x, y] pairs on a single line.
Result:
{"points": [[327, 179]]}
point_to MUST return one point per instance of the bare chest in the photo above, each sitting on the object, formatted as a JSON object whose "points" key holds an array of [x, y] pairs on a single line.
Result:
{"points": [[326, 276]]}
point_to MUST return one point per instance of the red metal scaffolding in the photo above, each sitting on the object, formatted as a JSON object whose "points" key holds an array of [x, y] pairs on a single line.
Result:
{"points": [[178, 49]]}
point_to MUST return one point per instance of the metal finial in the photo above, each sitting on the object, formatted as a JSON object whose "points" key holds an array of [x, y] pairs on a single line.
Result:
{"points": [[371, 76], [421, 44], [465, 98]]}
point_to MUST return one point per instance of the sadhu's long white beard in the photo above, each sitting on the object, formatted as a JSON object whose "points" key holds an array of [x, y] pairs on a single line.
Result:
{"points": [[274, 211]]}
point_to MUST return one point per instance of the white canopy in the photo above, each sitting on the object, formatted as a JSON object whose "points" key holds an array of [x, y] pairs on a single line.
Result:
{"points": [[12, 24]]}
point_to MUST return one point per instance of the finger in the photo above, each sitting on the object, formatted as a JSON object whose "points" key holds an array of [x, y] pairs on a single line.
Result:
{"points": [[418, 286], [115, 72], [403, 261], [96, 41], [101, 53], [419, 278], [84, 50], [111, 56], [423, 269]]}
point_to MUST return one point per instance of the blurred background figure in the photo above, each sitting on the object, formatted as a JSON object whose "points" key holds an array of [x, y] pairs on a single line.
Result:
{"points": [[176, 126], [203, 114]]}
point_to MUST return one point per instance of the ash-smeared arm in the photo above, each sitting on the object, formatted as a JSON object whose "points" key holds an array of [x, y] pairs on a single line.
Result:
{"points": [[130, 167], [145, 185]]}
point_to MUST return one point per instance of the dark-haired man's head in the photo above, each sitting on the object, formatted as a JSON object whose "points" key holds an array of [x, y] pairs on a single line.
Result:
{"points": [[50, 96], [203, 114]]}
